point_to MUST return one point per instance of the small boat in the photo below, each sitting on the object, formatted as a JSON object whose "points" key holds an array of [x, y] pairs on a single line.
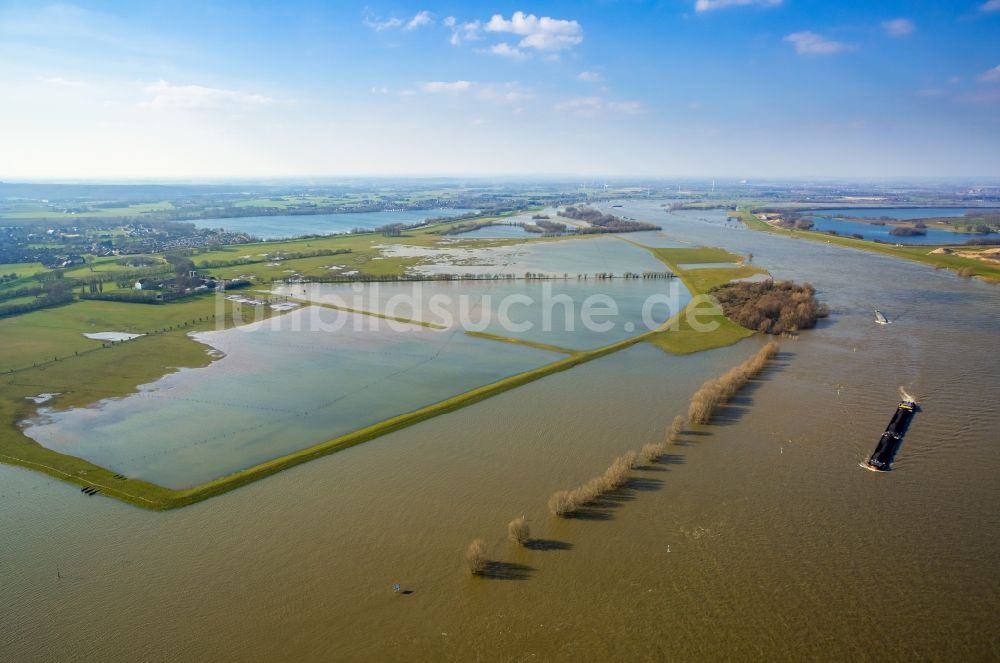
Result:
{"points": [[881, 459], [880, 319]]}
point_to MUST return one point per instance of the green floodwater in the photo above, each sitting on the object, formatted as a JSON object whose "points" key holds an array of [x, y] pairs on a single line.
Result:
{"points": [[760, 538]]}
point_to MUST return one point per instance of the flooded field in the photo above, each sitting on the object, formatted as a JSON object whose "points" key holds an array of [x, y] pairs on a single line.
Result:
{"points": [[283, 385], [569, 313], [570, 257], [759, 538], [512, 226]]}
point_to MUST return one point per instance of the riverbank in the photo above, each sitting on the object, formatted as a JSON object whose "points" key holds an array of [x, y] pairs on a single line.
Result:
{"points": [[925, 254]]}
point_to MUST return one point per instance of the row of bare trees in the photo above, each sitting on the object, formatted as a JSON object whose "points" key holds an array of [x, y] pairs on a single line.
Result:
{"points": [[718, 391], [564, 503]]}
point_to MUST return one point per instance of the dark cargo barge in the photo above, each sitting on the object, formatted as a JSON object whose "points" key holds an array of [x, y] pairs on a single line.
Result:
{"points": [[888, 444]]}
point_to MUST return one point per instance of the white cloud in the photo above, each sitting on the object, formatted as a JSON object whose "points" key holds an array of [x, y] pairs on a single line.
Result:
{"points": [[810, 43], [991, 75], [543, 34], [441, 86], [419, 20], [503, 49], [899, 27], [990, 6], [595, 106], [468, 31], [590, 76], [378, 25], [380, 90], [710, 5], [163, 95]]}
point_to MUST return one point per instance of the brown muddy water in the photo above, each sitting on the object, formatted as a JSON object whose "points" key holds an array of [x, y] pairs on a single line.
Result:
{"points": [[760, 537]]}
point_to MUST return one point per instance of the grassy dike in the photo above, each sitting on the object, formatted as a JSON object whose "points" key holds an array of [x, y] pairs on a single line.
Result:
{"points": [[146, 359], [921, 253], [678, 336]]}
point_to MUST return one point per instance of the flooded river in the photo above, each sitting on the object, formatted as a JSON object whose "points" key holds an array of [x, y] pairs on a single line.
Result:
{"points": [[761, 537]]}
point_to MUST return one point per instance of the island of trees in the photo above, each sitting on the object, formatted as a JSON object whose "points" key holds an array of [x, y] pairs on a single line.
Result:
{"points": [[771, 307], [604, 223], [543, 225]]}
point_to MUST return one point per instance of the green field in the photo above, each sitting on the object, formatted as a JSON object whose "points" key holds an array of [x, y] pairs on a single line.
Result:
{"points": [[695, 255], [686, 340], [22, 269], [40, 336], [94, 213], [681, 337]]}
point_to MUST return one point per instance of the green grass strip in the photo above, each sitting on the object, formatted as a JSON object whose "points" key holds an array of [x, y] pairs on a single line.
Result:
{"points": [[374, 314], [521, 341]]}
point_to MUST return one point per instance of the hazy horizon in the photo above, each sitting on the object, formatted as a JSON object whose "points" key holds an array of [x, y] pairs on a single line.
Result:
{"points": [[597, 179]]}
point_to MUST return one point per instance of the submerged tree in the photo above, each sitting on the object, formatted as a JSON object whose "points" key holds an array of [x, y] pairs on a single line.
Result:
{"points": [[475, 557], [518, 531]]}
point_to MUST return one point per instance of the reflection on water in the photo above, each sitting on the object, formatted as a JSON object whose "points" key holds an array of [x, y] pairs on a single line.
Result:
{"points": [[884, 233], [760, 539]]}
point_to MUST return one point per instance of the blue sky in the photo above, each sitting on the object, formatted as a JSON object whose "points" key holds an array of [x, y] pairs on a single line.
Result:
{"points": [[747, 88]]}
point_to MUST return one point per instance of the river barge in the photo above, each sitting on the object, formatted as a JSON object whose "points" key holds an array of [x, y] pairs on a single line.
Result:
{"points": [[888, 444]]}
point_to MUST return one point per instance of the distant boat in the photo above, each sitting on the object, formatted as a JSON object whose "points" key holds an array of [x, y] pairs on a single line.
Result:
{"points": [[879, 318]]}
